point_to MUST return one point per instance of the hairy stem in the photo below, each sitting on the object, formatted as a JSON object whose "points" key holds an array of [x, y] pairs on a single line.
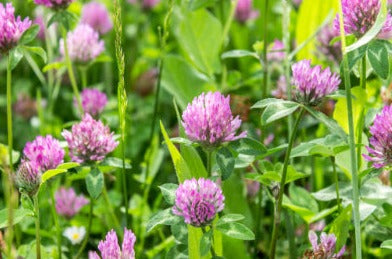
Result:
{"points": [[279, 201], [354, 174]]}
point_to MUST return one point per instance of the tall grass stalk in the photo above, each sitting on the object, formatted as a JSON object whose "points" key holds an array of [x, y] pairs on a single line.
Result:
{"points": [[121, 97], [354, 171]]}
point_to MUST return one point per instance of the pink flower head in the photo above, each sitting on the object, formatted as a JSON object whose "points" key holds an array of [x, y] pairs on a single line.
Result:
{"points": [[380, 154], [83, 44], [89, 140], [326, 247], [11, 27], [313, 83], [55, 4], [208, 120], [97, 16], [46, 152], [93, 101], [68, 204], [198, 201], [28, 177], [360, 15], [331, 52], [276, 51], [110, 249], [244, 11]]}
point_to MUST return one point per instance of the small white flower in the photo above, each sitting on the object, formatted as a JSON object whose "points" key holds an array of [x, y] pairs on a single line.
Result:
{"points": [[75, 234]]}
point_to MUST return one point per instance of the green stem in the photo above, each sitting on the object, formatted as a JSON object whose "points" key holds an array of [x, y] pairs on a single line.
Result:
{"points": [[209, 161], [278, 206], [335, 174], [90, 220], [229, 21], [363, 73], [37, 227], [354, 174], [83, 74], [56, 221], [70, 70], [265, 60]]}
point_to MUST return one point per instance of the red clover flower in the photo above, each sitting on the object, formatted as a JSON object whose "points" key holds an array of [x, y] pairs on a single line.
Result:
{"points": [[198, 201]]}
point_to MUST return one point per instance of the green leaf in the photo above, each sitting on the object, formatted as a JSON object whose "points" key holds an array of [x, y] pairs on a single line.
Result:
{"points": [[294, 175], [193, 31], [387, 244], [356, 55], [270, 101], [301, 197], [226, 162], [38, 51], [276, 111], [51, 173], [94, 183], [229, 218], [205, 243], [239, 53], [62, 168], [331, 124], [183, 141], [272, 176], [29, 35], [183, 81], [373, 32], [18, 216], [180, 164], [305, 213], [169, 192], [115, 163], [68, 165], [53, 66], [236, 230], [163, 217], [377, 54], [16, 56], [340, 227], [248, 146]]}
